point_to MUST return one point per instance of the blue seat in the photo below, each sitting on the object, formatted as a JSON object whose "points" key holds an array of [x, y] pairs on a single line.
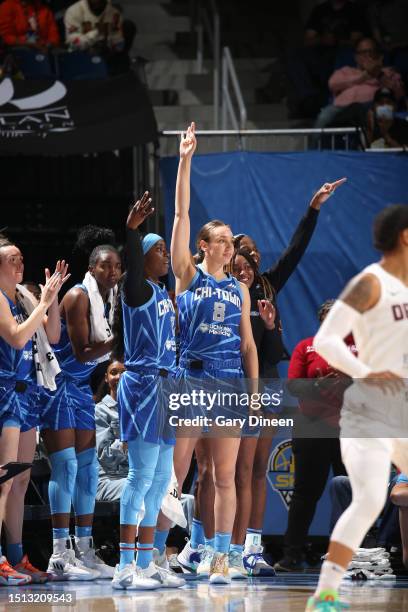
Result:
{"points": [[33, 64], [80, 65]]}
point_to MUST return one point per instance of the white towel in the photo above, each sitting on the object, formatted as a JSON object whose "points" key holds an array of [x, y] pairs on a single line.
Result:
{"points": [[46, 364], [101, 327]]}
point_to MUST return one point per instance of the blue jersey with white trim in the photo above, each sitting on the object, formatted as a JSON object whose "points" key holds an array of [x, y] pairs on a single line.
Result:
{"points": [[209, 315], [149, 332], [69, 364], [17, 364]]}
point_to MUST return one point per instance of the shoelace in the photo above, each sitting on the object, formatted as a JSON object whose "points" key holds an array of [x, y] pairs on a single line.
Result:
{"points": [[253, 558], [7, 569], [219, 566], [28, 566], [235, 557]]}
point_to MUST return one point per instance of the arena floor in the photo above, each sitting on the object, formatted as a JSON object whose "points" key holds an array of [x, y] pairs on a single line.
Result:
{"points": [[280, 594]]}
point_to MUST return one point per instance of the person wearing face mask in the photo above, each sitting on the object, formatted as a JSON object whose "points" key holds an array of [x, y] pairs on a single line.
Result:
{"points": [[94, 24], [353, 88], [29, 23], [267, 331], [384, 129]]}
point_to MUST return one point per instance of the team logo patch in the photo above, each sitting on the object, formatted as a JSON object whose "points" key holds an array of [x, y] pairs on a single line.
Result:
{"points": [[281, 471]]}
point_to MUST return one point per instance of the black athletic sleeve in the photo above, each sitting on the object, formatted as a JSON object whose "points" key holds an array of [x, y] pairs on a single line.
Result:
{"points": [[281, 270], [136, 289]]}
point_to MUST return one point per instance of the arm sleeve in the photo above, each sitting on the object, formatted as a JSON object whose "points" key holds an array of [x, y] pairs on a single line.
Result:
{"points": [[329, 342], [280, 272], [136, 289]]}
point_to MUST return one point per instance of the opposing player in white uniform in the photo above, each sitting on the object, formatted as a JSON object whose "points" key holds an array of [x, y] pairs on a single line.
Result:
{"points": [[374, 307]]}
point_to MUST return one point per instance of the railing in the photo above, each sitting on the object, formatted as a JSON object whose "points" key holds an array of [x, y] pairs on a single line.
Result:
{"points": [[229, 76], [241, 134], [206, 22]]}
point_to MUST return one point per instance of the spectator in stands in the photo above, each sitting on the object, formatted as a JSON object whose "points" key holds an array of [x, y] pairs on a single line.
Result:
{"points": [[353, 88], [384, 129], [28, 23], [94, 24], [320, 403], [332, 25], [112, 455]]}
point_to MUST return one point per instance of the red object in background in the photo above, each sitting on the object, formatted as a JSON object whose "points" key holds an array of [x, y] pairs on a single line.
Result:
{"points": [[305, 363], [16, 21]]}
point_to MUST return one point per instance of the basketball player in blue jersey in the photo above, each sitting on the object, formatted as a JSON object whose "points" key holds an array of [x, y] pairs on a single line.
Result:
{"points": [[18, 391], [215, 338], [145, 325], [68, 417]]}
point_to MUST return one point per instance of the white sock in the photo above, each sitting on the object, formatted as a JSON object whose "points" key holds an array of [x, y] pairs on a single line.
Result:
{"points": [[253, 538], [59, 545], [83, 543], [330, 578]]}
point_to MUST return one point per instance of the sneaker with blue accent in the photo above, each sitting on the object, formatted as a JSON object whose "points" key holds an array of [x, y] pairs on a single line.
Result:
{"points": [[254, 562], [326, 601], [190, 558], [203, 570], [236, 569]]}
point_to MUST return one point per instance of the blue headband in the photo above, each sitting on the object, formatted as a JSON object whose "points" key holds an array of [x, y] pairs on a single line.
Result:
{"points": [[149, 241]]}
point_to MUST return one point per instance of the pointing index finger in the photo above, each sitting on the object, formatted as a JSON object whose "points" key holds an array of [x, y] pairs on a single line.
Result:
{"points": [[339, 182]]}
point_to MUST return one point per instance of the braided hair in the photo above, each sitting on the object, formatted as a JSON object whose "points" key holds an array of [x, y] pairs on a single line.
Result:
{"points": [[259, 280]]}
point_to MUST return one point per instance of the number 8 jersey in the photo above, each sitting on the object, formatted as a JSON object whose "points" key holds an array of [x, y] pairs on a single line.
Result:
{"points": [[209, 314]]}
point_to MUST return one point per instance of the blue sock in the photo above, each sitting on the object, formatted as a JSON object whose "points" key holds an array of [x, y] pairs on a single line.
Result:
{"points": [[239, 548], [209, 542], [14, 553], [160, 538], [197, 534], [144, 554], [127, 553], [83, 532], [59, 533], [222, 542]]}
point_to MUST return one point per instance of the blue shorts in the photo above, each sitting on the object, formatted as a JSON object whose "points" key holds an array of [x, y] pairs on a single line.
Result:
{"points": [[143, 408], [71, 406], [402, 479], [22, 407], [229, 381]]}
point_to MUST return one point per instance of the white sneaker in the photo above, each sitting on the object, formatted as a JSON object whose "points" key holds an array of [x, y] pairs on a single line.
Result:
{"points": [[219, 569], [65, 566], [87, 555], [163, 577], [203, 569], [236, 567], [189, 558], [254, 562], [130, 578]]}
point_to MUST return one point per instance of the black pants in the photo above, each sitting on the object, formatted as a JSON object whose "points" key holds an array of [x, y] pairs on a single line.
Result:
{"points": [[313, 460]]}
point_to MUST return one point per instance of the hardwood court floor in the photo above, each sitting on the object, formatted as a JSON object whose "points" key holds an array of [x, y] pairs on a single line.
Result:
{"points": [[281, 594]]}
